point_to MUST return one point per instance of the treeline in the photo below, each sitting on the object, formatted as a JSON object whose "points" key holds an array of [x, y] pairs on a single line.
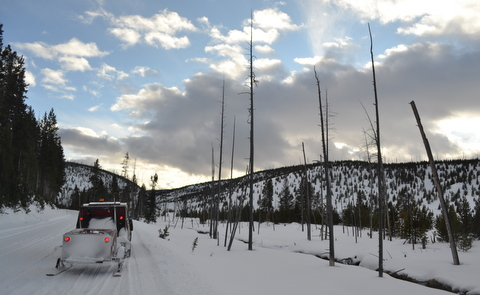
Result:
{"points": [[31, 155], [283, 197]]}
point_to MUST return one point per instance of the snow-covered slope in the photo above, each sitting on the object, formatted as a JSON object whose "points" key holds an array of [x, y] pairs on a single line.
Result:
{"points": [[282, 262], [351, 180], [77, 176]]}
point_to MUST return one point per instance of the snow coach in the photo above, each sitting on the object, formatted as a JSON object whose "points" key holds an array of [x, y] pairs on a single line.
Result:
{"points": [[103, 234]]}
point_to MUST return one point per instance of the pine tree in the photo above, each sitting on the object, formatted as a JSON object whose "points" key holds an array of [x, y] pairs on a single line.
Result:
{"points": [[151, 204], [285, 203], [18, 131], [476, 219], [97, 191], [51, 159], [266, 203]]}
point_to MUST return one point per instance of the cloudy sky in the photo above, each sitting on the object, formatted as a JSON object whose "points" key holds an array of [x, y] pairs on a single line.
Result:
{"points": [[145, 77]]}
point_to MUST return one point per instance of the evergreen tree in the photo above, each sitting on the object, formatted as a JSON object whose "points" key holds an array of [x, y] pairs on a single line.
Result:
{"points": [[141, 200], [151, 204], [97, 191], [115, 189], [466, 219], [476, 219], [266, 203], [51, 159], [31, 155], [17, 133], [285, 203], [441, 228]]}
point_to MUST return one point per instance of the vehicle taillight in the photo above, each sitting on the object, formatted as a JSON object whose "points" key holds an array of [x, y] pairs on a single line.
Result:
{"points": [[121, 217], [81, 218], [107, 239], [67, 239]]}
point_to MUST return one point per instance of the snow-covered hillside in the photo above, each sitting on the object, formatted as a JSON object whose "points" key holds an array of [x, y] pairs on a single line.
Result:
{"points": [[282, 262], [351, 180], [77, 177]]}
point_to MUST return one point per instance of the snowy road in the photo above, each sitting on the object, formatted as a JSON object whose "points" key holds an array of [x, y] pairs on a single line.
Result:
{"points": [[189, 262], [29, 249]]}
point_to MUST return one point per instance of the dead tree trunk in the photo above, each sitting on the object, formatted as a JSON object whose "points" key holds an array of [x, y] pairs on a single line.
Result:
{"points": [[229, 214], [453, 246], [307, 190], [327, 178], [212, 197], [220, 161], [380, 175], [252, 82]]}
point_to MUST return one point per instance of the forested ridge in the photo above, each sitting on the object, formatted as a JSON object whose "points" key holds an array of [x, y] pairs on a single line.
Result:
{"points": [[280, 196]]}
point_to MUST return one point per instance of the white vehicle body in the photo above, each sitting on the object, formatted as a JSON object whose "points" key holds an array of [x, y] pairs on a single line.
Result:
{"points": [[103, 234]]}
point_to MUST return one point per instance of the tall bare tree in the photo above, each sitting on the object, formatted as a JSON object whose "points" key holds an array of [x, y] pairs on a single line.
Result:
{"points": [[252, 82], [212, 197], [219, 183], [229, 214], [380, 172], [326, 165], [453, 246]]}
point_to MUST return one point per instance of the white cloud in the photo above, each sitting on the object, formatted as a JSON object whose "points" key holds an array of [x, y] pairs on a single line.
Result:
{"points": [[462, 129], [310, 61], [160, 29], [40, 49], [265, 49], [139, 101], [339, 43], [272, 18], [95, 108], [75, 47], [110, 73], [144, 71], [265, 63], [30, 78], [419, 17], [72, 63], [128, 36], [53, 77], [166, 41]]}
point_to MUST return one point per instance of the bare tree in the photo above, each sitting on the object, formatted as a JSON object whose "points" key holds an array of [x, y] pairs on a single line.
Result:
{"points": [[252, 82], [125, 165], [307, 192], [212, 197], [327, 175], [453, 246], [219, 183], [380, 172], [229, 216]]}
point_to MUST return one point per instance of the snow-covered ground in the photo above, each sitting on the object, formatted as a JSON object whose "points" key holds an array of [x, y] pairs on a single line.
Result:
{"points": [[282, 262]]}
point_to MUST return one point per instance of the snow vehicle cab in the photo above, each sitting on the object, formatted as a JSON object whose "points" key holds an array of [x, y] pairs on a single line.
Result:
{"points": [[103, 233], [106, 215]]}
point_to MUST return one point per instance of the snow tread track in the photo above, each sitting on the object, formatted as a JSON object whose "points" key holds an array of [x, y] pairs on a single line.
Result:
{"points": [[59, 271]]}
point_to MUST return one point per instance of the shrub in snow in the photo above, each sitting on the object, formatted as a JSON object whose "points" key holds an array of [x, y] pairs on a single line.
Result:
{"points": [[465, 242], [195, 244], [163, 233]]}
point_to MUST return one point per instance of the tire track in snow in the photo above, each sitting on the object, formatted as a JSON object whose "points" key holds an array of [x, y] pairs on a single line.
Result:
{"points": [[145, 271]]}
